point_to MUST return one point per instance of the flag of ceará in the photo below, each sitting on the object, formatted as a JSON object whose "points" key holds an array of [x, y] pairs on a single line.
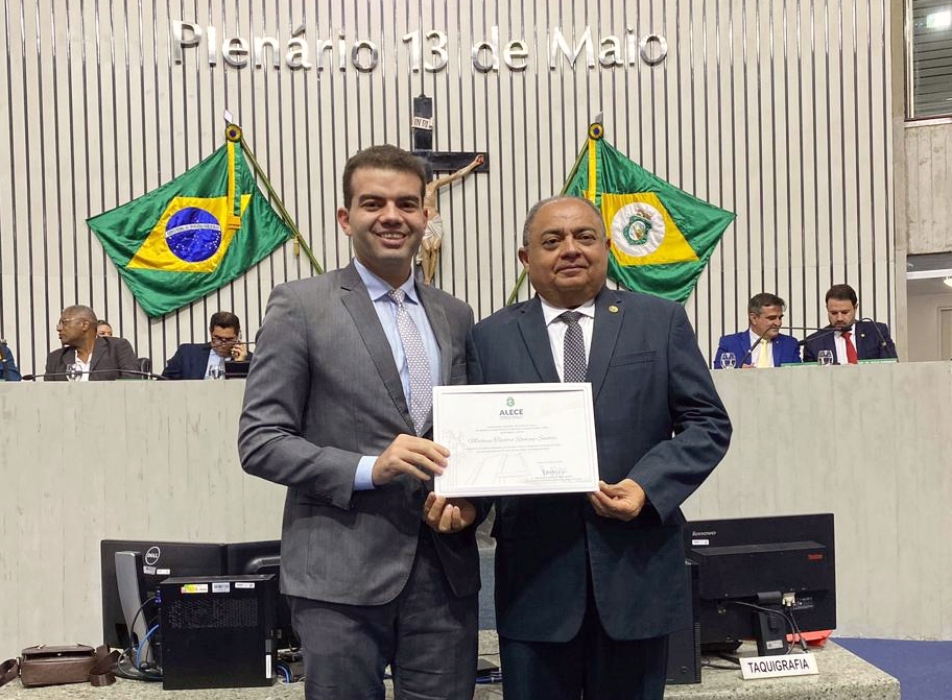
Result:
{"points": [[194, 234], [661, 236]]}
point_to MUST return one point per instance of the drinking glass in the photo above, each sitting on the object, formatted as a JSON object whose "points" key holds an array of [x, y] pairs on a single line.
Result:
{"points": [[728, 361], [216, 372], [74, 372], [824, 357]]}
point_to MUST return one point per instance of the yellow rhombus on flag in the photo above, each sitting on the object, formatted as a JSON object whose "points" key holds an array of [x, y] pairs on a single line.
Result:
{"points": [[661, 236]]}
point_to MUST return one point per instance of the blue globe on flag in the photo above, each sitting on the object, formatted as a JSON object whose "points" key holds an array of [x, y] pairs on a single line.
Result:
{"points": [[193, 234]]}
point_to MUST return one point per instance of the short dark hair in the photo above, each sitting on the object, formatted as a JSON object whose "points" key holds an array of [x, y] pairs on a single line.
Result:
{"points": [[533, 212], [224, 319], [759, 301], [83, 312], [842, 292], [103, 322], [385, 157]]}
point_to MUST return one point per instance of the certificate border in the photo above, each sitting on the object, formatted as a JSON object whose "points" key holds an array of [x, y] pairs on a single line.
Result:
{"points": [[586, 432]]}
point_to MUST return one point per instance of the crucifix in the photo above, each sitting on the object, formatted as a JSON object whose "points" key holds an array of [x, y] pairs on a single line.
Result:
{"points": [[458, 163]]}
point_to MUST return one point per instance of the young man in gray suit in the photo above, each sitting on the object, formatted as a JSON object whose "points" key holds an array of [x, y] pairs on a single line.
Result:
{"points": [[588, 586], [337, 408]]}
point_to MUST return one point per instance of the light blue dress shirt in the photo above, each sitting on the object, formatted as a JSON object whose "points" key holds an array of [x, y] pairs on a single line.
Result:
{"points": [[387, 313]]}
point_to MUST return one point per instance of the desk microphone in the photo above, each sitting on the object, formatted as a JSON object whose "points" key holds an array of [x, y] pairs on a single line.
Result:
{"points": [[821, 333], [751, 349], [882, 340]]}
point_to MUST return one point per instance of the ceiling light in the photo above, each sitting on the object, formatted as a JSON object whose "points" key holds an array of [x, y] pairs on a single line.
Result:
{"points": [[939, 20]]}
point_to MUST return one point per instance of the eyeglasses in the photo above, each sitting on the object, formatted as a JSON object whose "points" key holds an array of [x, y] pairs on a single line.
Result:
{"points": [[64, 321], [217, 340]]}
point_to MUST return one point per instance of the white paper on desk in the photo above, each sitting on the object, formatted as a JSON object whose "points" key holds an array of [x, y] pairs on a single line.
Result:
{"points": [[509, 439]]}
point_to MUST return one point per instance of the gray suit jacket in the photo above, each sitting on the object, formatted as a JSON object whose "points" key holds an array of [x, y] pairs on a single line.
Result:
{"points": [[322, 391], [658, 421], [110, 356]]}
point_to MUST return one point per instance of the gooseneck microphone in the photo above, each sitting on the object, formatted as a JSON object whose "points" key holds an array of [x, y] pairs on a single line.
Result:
{"points": [[751, 349], [821, 333], [882, 340]]}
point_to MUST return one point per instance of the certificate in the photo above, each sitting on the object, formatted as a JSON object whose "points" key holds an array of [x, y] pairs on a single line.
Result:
{"points": [[509, 439]]}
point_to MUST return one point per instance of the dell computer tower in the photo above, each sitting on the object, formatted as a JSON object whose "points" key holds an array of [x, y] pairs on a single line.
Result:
{"points": [[217, 631]]}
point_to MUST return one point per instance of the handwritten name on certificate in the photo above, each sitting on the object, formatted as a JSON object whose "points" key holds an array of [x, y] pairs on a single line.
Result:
{"points": [[509, 439]]}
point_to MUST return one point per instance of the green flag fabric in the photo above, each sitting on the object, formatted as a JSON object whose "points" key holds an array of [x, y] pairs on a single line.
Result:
{"points": [[662, 237], [192, 235]]}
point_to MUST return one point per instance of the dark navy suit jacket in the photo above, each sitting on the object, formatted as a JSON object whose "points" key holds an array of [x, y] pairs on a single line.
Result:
{"points": [[649, 383], [871, 339], [8, 365], [784, 347], [189, 362]]}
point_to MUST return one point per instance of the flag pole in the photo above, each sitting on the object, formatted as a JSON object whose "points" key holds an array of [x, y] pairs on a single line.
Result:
{"points": [[522, 275], [231, 135]]}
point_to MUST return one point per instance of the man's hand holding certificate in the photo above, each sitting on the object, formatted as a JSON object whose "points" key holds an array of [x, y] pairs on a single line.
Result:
{"points": [[508, 439]]}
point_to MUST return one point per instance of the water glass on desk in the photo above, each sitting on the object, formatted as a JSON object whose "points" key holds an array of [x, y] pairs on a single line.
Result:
{"points": [[74, 372], [216, 372], [824, 357], [728, 361]]}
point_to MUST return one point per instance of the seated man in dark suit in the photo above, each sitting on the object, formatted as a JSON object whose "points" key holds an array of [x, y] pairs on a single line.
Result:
{"points": [[762, 344], [85, 356], [207, 360], [8, 364], [848, 339]]}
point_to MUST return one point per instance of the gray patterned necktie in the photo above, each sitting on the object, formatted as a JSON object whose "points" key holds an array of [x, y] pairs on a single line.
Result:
{"points": [[420, 399], [575, 366]]}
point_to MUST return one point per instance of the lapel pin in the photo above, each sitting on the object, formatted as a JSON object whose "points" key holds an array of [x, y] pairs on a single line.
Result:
{"points": [[613, 309]]}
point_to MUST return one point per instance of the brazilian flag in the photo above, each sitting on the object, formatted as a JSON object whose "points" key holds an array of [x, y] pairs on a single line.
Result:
{"points": [[194, 234], [661, 236]]}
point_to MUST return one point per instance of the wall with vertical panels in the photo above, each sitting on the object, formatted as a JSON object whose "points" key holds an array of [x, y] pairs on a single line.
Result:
{"points": [[777, 110]]}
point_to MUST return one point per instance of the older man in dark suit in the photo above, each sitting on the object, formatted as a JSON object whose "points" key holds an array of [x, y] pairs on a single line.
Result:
{"points": [[588, 586], [338, 409], [86, 356]]}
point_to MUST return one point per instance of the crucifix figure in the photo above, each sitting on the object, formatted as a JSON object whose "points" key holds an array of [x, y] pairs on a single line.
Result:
{"points": [[457, 164], [429, 255]]}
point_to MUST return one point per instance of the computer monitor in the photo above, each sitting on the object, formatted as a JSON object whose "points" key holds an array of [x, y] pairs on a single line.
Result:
{"points": [[264, 557], [160, 560], [762, 579], [235, 369]]}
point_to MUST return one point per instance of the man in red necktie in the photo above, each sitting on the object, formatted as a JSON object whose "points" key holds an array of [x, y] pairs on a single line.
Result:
{"points": [[849, 340]]}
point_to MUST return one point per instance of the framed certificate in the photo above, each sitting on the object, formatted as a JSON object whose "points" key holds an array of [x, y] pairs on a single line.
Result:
{"points": [[509, 439]]}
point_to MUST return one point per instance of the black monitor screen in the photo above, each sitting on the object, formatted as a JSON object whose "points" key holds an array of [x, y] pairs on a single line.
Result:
{"points": [[160, 560], [264, 557], [763, 578]]}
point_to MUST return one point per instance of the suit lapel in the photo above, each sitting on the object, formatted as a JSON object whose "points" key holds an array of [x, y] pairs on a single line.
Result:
{"points": [[440, 326], [866, 341], [609, 314], [441, 329], [357, 301], [99, 350], [536, 337]]}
